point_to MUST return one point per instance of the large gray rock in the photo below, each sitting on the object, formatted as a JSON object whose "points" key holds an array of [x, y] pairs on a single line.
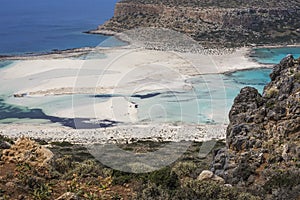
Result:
{"points": [[264, 135]]}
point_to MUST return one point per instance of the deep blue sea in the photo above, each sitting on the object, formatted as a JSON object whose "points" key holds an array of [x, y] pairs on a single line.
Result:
{"points": [[43, 25]]}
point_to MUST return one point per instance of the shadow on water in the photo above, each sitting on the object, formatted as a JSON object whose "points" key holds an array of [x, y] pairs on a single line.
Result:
{"points": [[141, 96], [146, 96], [167, 94], [105, 96], [8, 111]]}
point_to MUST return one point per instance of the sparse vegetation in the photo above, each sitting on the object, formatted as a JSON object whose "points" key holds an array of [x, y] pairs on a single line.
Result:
{"points": [[297, 77], [239, 22], [42, 192], [89, 179], [6, 139], [217, 3], [272, 92]]}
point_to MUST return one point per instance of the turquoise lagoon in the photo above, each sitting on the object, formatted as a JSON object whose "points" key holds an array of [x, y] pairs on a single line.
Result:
{"points": [[274, 55], [208, 102], [41, 26]]}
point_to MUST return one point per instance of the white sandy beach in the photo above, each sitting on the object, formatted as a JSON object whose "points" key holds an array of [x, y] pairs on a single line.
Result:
{"points": [[123, 71]]}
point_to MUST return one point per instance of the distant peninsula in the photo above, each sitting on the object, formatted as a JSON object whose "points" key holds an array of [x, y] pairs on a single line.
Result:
{"points": [[225, 23]]}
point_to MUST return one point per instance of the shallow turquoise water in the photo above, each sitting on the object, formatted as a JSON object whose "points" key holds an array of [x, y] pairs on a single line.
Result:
{"points": [[5, 63], [39, 26], [274, 55], [208, 102]]}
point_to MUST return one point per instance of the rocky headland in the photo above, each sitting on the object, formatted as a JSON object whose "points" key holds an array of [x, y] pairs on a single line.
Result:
{"points": [[262, 149], [212, 23]]}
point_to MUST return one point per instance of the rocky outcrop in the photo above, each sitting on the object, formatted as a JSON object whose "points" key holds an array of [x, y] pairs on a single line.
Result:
{"points": [[213, 22], [27, 151], [263, 137]]}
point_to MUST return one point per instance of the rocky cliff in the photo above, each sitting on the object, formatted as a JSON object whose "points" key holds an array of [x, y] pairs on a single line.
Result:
{"points": [[263, 137], [220, 22]]}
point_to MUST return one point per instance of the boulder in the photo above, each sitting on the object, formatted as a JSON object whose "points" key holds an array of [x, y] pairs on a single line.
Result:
{"points": [[207, 175], [28, 151]]}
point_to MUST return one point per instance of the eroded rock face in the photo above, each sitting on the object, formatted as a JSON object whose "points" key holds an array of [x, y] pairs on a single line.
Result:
{"points": [[263, 137], [213, 22], [28, 151]]}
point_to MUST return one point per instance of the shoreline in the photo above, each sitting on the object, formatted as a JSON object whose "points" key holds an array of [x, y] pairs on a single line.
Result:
{"points": [[124, 37], [117, 135], [82, 51], [185, 64], [67, 53], [101, 32], [263, 46]]}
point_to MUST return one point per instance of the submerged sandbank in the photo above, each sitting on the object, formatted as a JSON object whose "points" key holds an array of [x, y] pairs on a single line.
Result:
{"points": [[124, 72]]}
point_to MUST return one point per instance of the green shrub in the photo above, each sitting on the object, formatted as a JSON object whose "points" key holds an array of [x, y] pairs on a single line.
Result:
{"points": [[120, 178], [62, 144], [6, 139], [194, 189], [184, 169], [63, 164], [165, 178], [270, 104], [272, 92], [206, 190], [88, 168], [297, 76], [42, 192], [280, 179], [153, 192]]}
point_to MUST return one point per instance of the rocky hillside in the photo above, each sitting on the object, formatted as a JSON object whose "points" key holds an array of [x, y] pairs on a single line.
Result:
{"points": [[219, 3], [263, 137], [36, 170], [221, 23]]}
